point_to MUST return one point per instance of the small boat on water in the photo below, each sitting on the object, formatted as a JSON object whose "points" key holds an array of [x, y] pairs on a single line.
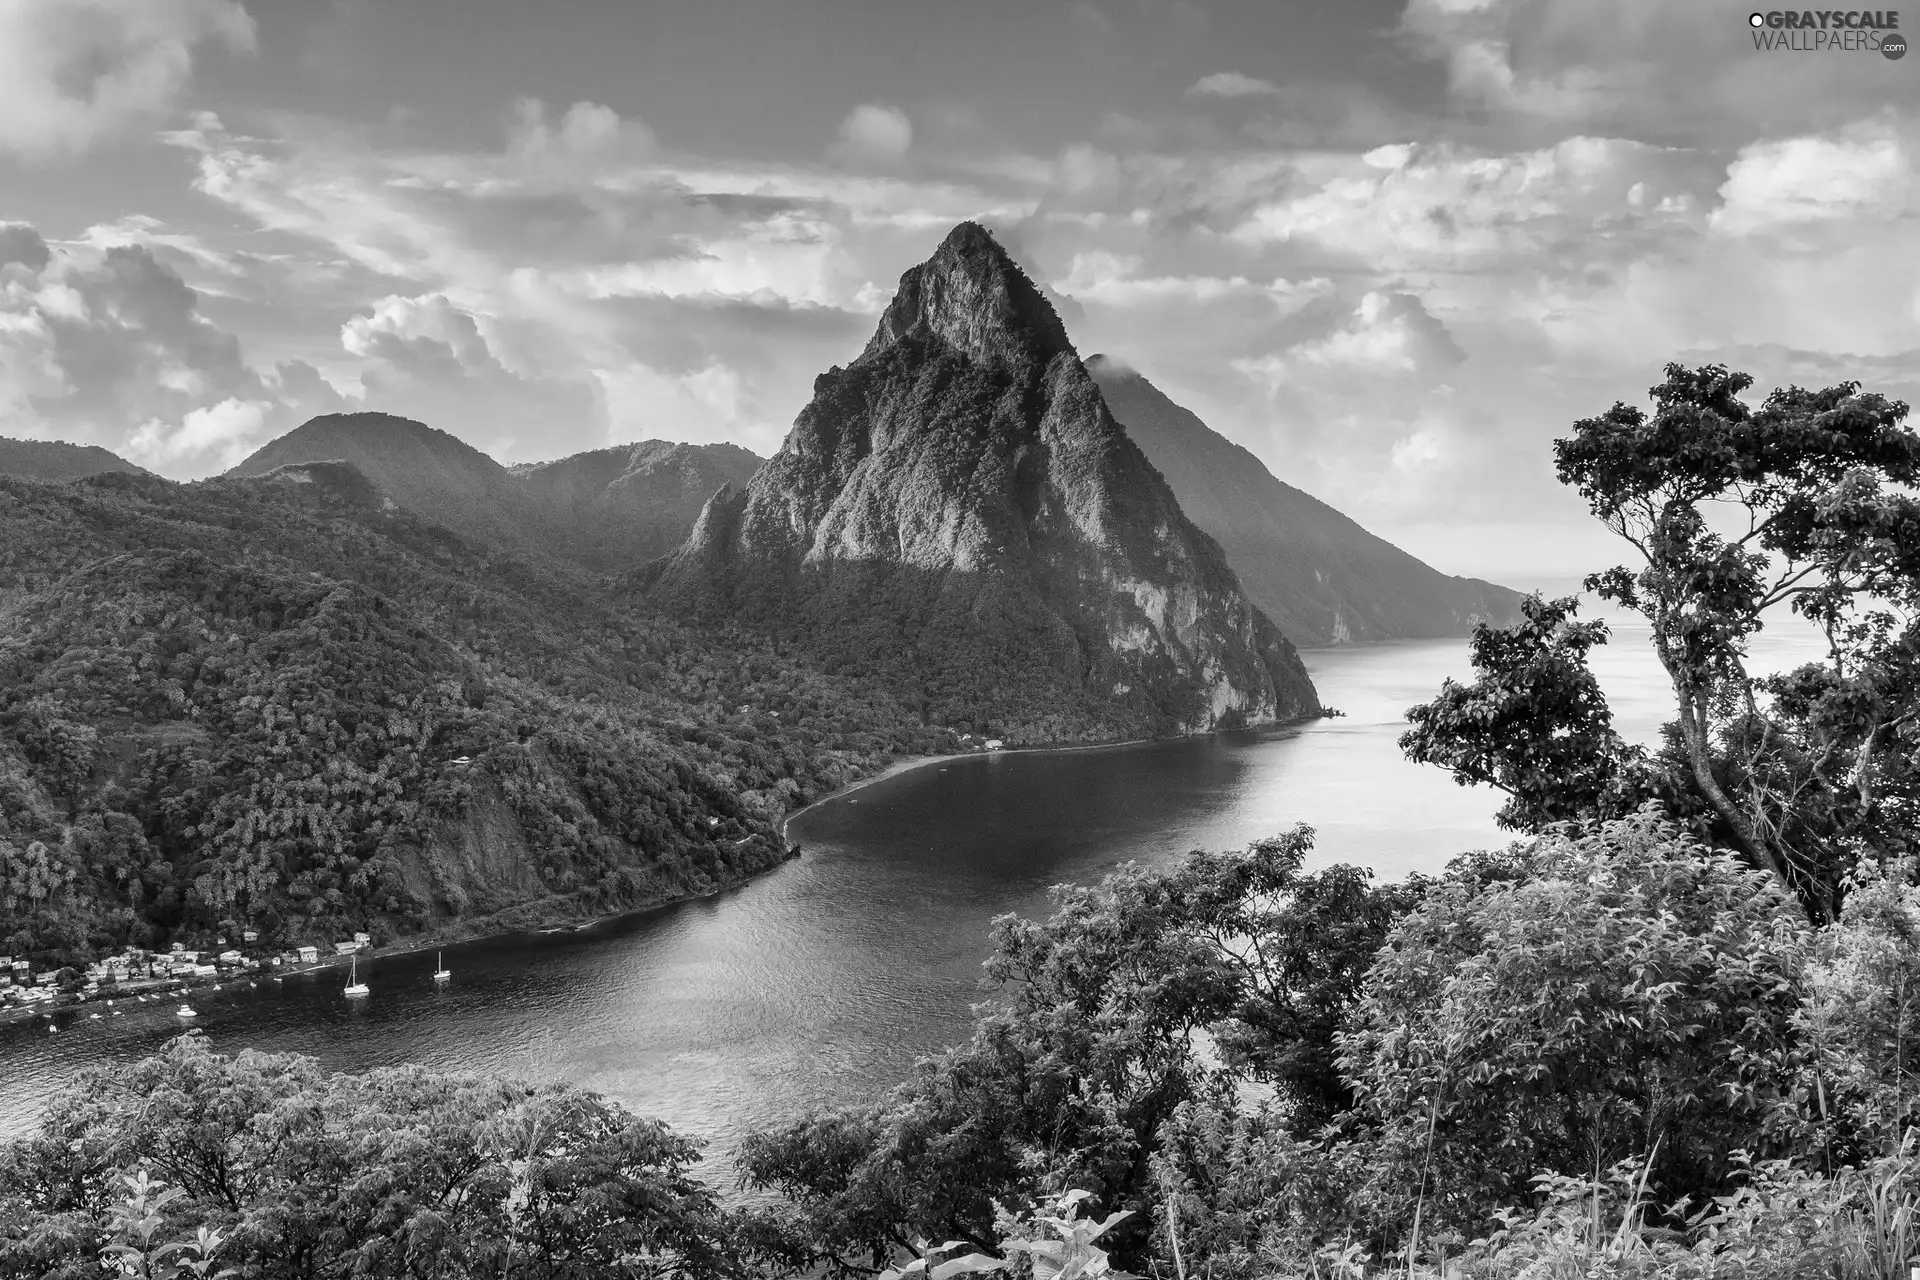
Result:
{"points": [[440, 972], [186, 1011], [51, 1028], [355, 987]]}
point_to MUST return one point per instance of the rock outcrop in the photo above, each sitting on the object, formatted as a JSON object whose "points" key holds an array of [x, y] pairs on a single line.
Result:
{"points": [[958, 512]]}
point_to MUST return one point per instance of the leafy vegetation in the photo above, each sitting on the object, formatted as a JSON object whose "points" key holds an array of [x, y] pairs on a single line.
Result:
{"points": [[1805, 503], [262, 1165]]}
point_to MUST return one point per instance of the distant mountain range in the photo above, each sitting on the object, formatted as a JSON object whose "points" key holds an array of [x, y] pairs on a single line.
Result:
{"points": [[623, 506], [958, 512], [58, 460], [609, 509], [1318, 574]]}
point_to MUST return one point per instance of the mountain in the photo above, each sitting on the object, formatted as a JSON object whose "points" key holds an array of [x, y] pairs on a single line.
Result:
{"points": [[433, 474], [957, 514], [58, 460], [608, 509], [286, 703], [1318, 574], [624, 506]]}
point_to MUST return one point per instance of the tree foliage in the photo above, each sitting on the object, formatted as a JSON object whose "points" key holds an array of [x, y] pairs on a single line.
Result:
{"points": [[1804, 504], [1635, 992], [400, 1172]]}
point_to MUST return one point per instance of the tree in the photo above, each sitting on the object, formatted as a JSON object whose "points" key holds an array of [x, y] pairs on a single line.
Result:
{"points": [[1813, 486], [399, 1172], [1633, 996], [1732, 512], [1534, 723]]}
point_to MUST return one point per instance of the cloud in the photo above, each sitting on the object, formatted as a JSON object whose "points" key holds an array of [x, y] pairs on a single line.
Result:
{"points": [[108, 345], [1387, 334], [223, 433], [873, 131], [425, 358], [586, 130], [1864, 174], [1637, 68], [1231, 84], [74, 71], [589, 270]]}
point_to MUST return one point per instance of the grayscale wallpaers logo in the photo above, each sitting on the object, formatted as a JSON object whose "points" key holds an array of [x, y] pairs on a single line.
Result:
{"points": [[1829, 31]]}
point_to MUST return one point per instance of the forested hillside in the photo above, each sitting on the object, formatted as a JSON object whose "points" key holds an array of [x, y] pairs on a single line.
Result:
{"points": [[58, 460], [283, 703], [621, 507]]}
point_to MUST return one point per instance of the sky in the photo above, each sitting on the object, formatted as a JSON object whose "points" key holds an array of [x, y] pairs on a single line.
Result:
{"points": [[1393, 247]]}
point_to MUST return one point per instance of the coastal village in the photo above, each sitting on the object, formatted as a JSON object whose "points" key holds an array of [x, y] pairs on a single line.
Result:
{"points": [[136, 973]]}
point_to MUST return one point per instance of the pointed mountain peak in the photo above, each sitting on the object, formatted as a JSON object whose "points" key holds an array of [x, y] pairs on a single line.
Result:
{"points": [[972, 295]]}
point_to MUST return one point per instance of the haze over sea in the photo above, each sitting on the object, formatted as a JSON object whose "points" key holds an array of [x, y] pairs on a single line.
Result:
{"points": [[823, 980]]}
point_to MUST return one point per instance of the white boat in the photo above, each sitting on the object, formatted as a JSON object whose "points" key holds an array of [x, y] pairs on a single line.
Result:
{"points": [[355, 987], [186, 1011], [441, 973]]}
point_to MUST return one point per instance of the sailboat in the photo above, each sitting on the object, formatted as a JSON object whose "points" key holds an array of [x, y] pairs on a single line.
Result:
{"points": [[355, 987], [441, 973]]}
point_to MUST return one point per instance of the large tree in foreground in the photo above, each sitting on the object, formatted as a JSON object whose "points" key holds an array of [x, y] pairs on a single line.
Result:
{"points": [[1732, 515]]}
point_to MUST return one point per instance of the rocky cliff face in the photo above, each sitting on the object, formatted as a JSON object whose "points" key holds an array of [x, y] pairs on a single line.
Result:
{"points": [[958, 512], [1318, 574]]}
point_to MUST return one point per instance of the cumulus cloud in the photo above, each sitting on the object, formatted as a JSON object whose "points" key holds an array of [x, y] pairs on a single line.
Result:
{"points": [[109, 346], [1231, 84], [74, 71], [1388, 333], [874, 131], [585, 130], [1864, 174], [425, 358]]}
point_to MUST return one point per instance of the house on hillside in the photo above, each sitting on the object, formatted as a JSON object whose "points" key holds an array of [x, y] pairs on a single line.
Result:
{"points": [[994, 744], [308, 955]]}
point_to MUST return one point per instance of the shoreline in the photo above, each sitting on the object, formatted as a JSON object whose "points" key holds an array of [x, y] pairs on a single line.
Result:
{"points": [[908, 765], [551, 922]]}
